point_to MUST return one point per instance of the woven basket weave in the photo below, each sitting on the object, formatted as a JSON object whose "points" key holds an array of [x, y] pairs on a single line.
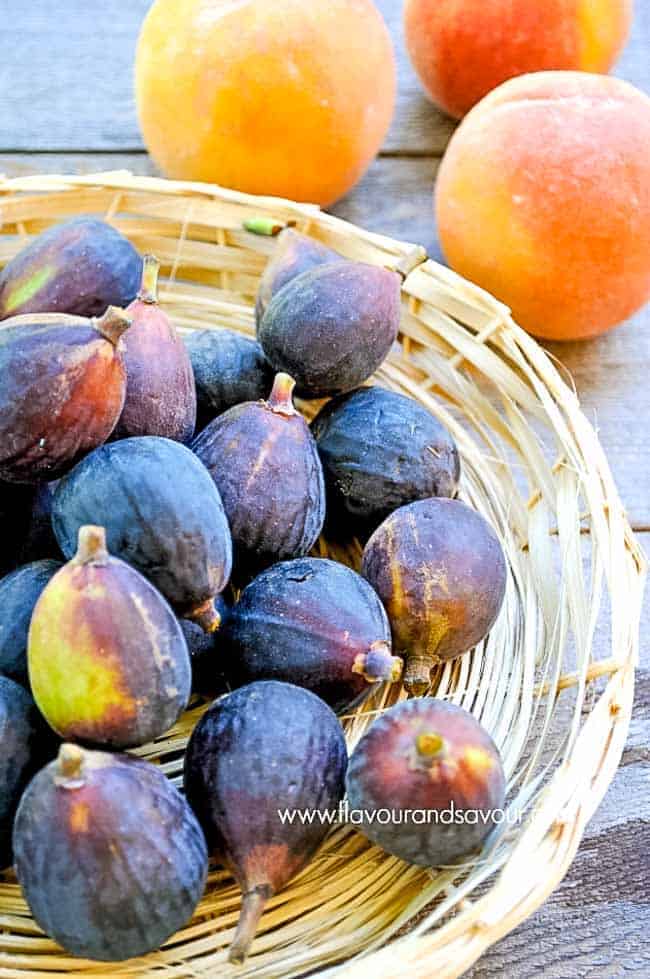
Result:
{"points": [[553, 683]]}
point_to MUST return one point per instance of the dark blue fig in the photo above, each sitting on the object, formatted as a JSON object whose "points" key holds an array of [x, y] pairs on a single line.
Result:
{"points": [[27, 743], [265, 464], [162, 514], [110, 857], [82, 266], [331, 327], [229, 369], [312, 622], [294, 254], [427, 756], [381, 450], [205, 649], [39, 542], [256, 752], [19, 593]]}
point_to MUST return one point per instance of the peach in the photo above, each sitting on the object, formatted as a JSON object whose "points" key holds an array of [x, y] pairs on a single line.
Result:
{"points": [[462, 49], [543, 198], [291, 98]]}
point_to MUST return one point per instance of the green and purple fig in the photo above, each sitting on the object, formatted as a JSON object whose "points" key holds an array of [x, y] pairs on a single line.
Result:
{"points": [[62, 387], [440, 571], [163, 515], [27, 743], [265, 464], [314, 623], [110, 857], [19, 593], [82, 267], [229, 369], [331, 327], [160, 391], [427, 756], [108, 662], [380, 450], [256, 752], [294, 254]]}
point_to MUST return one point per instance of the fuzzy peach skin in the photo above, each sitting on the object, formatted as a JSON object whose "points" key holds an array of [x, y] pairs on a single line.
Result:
{"points": [[284, 97], [543, 198], [462, 49]]}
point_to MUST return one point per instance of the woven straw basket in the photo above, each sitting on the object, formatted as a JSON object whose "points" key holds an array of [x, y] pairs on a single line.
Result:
{"points": [[554, 681]]}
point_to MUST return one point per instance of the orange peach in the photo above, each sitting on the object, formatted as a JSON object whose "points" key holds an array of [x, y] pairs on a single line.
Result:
{"points": [[291, 98], [543, 198], [462, 49]]}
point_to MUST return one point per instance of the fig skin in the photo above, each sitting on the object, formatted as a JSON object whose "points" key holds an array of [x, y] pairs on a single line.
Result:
{"points": [[27, 743], [108, 662], [80, 267], [160, 391], [440, 571], [381, 450], [62, 387], [110, 857], [314, 623], [427, 754], [264, 747], [162, 514], [39, 542], [208, 676], [331, 327], [294, 254], [264, 462], [228, 369], [19, 593]]}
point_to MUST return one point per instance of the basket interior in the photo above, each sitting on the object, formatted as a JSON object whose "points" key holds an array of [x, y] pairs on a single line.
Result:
{"points": [[553, 681]]}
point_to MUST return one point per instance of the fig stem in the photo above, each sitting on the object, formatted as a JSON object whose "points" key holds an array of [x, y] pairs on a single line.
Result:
{"points": [[280, 399], [378, 664], [205, 616], [417, 675], [269, 227], [252, 908], [70, 763], [149, 285], [112, 324], [91, 546]]}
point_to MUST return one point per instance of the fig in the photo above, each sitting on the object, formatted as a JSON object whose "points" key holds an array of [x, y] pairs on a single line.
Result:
{"points": [[160, 391], [82, 266], [331, 327], [39, 542], [162, 514], [294, 253], [108, 662], [228, 369], [15, 515], [257, 750], [208, 676], [265, 464], [440, 571], [19, 592], [26, 745], [427, 756], [380, 450], [110, 857], [315, 623], [62, 386]]}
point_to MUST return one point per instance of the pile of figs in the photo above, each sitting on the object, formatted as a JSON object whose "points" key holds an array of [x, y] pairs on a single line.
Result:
{"points": [[161, 501]]}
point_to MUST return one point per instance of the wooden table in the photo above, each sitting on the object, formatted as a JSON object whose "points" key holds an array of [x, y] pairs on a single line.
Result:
{"points": [[66, 105]]}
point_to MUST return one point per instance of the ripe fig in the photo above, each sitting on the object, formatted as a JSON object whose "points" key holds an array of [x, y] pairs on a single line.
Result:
{"points": [[82, 266], [440, 571], [332, 326], [162, 514], [62, 385], [160, 391], [314, 623], [380, 451], [110, 857], [108, 662], [258, 750], [265, 464], [19, 592], [27, 743], [208, 676], [39, 542], [427, 756], [228, 369], [294, 254]]}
